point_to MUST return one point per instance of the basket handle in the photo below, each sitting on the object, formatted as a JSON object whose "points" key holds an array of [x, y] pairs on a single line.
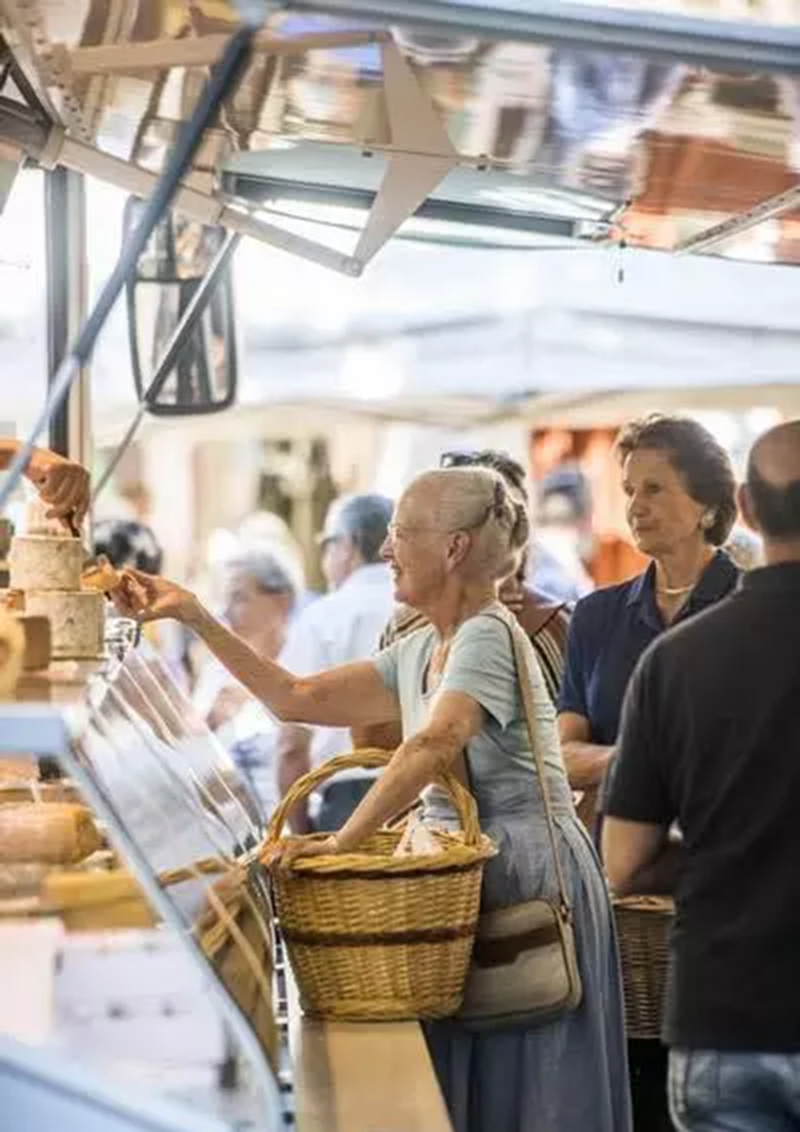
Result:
{"points": [[371, 758]]}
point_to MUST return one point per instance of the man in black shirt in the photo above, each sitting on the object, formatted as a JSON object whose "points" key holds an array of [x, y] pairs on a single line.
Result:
{"points": [[711, 738]]}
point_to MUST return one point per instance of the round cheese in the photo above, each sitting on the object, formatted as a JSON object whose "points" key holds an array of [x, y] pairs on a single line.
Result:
{"points": [[77, 622], [41, 562]]}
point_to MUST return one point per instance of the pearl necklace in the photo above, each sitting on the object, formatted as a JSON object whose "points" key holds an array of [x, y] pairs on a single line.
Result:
{"points": [[676, 592]]}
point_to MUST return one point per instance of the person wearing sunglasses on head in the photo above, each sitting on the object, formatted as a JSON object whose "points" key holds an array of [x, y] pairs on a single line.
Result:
{"points": [[63, 485]]}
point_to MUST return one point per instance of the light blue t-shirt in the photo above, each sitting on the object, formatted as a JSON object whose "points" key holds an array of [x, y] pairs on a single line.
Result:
{"points": [[480, 664]]}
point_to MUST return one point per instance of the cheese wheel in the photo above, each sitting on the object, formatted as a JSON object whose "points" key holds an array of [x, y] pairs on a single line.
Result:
{"points": [[40, 562], [77, 622]]}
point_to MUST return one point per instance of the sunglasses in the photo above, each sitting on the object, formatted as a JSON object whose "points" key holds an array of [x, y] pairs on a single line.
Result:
{"points": [[459, 459]]}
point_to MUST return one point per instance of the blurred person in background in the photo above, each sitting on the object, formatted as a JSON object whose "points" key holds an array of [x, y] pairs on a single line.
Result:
{"points": [[681, 505], [557, 561], [126, 542], [343, 626], [259, 591], [745, 548]]}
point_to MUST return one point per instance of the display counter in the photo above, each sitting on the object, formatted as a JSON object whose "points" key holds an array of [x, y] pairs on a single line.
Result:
{"points": [[167, 795]]}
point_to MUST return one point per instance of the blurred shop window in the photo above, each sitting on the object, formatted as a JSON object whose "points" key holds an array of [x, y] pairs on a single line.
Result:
{"points": [[23, 312], [114, 397]]}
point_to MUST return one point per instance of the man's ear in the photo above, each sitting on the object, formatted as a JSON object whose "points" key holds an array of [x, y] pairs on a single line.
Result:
{"points": [[745, 504], [458, 548]]}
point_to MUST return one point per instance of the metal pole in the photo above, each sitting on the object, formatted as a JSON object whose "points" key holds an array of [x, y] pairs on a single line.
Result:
{"points": [[58, 293], [194, 311], [222, 79], [66, 303]]}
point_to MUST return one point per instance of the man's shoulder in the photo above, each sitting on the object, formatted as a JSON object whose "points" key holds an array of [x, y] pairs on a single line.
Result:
{"points": [[696, 639]]}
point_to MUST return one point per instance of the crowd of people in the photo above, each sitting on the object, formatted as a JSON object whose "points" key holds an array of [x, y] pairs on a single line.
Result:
{"points": [[666, 705]]}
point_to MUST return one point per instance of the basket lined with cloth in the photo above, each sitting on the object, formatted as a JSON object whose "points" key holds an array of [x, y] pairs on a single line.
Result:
{"points": [[374, 936], [643, 927]]}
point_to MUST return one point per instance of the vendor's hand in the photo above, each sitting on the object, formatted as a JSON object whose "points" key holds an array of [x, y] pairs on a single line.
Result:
{"points": [[62, 484], [147, 597], [290, 849]]}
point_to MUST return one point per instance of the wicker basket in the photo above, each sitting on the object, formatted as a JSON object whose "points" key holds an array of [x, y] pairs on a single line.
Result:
{"points": [[643, 926], [234, 932], [374, 936]]}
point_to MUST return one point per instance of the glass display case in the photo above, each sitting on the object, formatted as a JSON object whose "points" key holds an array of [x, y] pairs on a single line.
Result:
{"points": [[171, 803]]}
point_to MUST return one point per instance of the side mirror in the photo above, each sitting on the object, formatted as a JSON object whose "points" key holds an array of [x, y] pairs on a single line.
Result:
{"points": [[167, 276]]}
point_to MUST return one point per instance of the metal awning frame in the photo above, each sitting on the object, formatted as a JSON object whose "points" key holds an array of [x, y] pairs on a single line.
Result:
{"points": [[420, 153], [749, 46], [223, 77]]}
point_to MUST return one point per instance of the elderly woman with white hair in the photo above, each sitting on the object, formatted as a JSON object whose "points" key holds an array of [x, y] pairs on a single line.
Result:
{"points": [[453, 686], [261, 587]]}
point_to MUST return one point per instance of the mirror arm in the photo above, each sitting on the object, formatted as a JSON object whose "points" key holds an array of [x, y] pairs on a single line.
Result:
{"points": [[223, 78], [180, 336]]}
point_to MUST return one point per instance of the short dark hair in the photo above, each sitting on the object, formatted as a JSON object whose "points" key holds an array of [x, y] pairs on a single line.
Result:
{"points": [[694, 453], [128, 543], [776, 508], [506, 466]]}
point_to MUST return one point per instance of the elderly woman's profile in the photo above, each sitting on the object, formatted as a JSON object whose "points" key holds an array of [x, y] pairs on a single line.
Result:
{"points": [[453, 687]]}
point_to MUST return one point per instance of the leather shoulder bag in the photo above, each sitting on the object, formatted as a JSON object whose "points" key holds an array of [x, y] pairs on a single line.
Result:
{"points": [[524, 968]]}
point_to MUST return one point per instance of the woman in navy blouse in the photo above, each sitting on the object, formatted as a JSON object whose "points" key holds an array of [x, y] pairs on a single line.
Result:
{"points": [[681, 505]]}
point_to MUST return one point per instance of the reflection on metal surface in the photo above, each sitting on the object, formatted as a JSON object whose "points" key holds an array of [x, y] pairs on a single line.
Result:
{"points": [[163, 772], [677, 145]]}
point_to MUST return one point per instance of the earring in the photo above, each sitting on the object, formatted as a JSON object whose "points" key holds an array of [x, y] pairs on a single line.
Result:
{"points": [[707, 521]]}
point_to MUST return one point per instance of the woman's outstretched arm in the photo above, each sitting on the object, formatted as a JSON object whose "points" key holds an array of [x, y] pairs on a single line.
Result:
{"points": [[347, 696]]}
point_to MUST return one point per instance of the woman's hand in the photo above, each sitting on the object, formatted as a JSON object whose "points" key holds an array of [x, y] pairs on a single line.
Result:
{"points": [[147, 597], [290, 849], [62, 484]]}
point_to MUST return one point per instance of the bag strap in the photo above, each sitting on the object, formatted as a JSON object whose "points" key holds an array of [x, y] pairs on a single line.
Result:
{"points": [[519, 646]]}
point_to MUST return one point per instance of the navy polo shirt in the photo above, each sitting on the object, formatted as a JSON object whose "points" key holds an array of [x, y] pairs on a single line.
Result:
{"points": [[609, 631]]}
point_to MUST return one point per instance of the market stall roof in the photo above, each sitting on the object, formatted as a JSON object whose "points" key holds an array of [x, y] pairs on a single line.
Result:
{"points": [[671, 125]]}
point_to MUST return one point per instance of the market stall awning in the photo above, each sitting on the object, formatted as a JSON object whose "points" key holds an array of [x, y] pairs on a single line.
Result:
{"points": [[529, 121]]}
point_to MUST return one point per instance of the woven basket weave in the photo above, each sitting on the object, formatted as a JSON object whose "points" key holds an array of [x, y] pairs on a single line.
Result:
{"points": [[373, 936], [643, 926]]}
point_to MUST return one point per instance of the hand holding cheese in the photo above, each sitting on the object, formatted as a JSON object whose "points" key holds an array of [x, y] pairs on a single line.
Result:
{"points": [[148, 597]]}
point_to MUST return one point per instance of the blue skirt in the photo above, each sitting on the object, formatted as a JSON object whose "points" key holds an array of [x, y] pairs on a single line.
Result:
{"points": [[570, 1075]]}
